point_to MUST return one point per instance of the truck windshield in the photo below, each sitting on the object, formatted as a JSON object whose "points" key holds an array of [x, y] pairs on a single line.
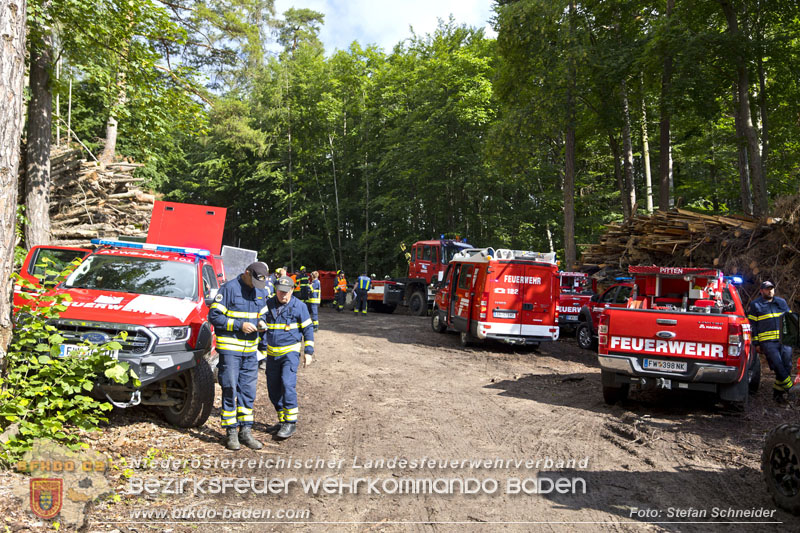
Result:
{"points": [[575, 285], [138, 275], [449, 250]]}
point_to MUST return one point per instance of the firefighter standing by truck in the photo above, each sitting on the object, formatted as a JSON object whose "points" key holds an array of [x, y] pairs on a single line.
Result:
{"points": [[237, 312], [362, 286], [314, 300], [288, 331], [341, 290], [765, 315]]}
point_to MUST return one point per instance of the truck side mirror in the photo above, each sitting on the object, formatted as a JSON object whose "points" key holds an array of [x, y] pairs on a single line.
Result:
{"points": [[210, 295], [790, 329]]}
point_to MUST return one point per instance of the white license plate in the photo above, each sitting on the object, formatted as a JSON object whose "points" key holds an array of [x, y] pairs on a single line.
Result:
{"points": [[80, 351], [504, 314], [664, 366]]}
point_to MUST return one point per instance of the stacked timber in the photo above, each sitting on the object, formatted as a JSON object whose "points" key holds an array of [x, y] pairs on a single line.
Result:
{"points": [[756, 249], [89, 200]]}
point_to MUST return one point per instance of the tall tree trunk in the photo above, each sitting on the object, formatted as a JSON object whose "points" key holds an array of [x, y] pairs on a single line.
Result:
{"points": [[665, 146], [37, 156], [648, 179], [366, 216], [627, 146], [614, 145], [12, 73], [338, 210], [325, 219], [762, 106], [741, 152], [110, 146], [570, 253], [757, 180]]}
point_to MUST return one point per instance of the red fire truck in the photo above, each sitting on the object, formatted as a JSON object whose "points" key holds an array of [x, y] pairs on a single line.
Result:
{"points": [[425, 269], [506, 295], [682, 328], [577, 289]]}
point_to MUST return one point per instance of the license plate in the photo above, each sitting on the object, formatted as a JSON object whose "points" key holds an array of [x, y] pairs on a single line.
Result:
{"points": [[664, 366], [504, 314], [80, 351], [570, 318]]}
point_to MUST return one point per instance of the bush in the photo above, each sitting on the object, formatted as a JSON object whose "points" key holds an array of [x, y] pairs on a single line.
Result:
{"points": [[44, 395]]}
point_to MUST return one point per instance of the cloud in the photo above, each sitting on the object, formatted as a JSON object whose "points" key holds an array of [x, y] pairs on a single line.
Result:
{"points": [[385, 22]]}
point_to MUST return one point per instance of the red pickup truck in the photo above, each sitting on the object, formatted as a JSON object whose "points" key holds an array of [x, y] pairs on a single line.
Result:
{"points": [[682, 328]]}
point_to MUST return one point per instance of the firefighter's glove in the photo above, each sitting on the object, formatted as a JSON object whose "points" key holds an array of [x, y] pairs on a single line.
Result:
{"points": [[307, 359]]}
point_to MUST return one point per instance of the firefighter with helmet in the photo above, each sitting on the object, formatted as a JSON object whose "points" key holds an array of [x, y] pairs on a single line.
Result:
{"points": [[765, 315], [341, 291]]}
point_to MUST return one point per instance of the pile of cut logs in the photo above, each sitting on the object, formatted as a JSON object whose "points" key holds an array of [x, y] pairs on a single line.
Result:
{"points": [[755, 249], [89, 200]]}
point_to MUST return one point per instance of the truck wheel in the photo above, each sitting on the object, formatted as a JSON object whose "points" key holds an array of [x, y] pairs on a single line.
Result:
{"points": [[584, 336], [418, 304], [437, 323], [780, 465], [754, 375], [466, 339], [613, 393], [195, 390]]}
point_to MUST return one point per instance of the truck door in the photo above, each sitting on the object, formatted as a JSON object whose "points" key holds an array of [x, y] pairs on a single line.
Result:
{"points": [[505, 295], [615, 296], [443, 294], [43, 258], [536, 302], [460, 304]]}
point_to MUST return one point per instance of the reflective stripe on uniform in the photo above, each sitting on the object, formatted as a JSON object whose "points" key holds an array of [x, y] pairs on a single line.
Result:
{"points": [[277, 351], [293, 325], [309, 343], [306, 323], [228, 418], [316, 300], [290, 415], [232, 344], [764, 317]]}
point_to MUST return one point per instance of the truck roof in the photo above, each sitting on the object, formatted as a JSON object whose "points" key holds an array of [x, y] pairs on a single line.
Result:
{"points": [[149, 250], [675, 271]]}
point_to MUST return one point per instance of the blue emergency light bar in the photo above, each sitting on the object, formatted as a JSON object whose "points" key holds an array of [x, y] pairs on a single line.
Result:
{"points": [[152, 247], [736, 280]]}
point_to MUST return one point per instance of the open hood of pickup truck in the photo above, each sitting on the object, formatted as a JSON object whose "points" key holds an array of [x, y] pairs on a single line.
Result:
{"points": [[127, 308]]}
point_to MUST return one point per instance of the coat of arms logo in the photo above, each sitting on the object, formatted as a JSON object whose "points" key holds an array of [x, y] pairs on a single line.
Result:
{"points": [[46, 496]]}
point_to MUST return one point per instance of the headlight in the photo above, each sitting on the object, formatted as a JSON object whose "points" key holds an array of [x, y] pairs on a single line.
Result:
{"points": [[171, 335]]}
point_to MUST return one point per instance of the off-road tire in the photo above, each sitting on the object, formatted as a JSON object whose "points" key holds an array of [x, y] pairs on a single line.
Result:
{"points": [[754, 375], [198, 396], [780, 466], [613, 395], [583, 334], [418, 304], [437, 323]]}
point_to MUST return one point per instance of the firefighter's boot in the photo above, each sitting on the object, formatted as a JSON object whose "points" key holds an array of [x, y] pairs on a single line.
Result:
{"points": [[287, 430], [246, 437], [232, 442]]}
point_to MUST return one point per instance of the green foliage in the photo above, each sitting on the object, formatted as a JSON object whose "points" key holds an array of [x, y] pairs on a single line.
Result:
{"points": [[44, 395]]}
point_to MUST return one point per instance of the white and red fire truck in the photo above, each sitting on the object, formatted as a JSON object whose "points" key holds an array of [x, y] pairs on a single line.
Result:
{"points": [[506, 295]]}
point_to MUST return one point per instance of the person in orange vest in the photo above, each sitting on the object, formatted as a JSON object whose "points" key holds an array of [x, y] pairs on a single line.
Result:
{"points": [[341, 290]]}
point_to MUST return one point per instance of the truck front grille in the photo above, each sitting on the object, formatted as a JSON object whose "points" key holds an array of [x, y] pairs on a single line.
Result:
{"points": [[138, 342]]}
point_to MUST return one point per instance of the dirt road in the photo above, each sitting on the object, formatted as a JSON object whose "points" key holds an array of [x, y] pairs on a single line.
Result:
{"points": [[387, 386]]}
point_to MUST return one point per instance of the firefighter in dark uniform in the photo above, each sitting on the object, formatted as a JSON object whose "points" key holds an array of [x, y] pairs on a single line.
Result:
{"points": [[303, 283], [361, 288], [239, 309], [288, 332], [765, 315], [314, 300]]}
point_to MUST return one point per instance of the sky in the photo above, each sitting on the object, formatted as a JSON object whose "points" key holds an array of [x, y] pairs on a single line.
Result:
{"points": [[386, 22]]}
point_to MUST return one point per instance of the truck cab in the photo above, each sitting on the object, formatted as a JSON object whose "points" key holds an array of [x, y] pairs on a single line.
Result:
{"points": [[577, 289], [506, 295], [588, 318]]}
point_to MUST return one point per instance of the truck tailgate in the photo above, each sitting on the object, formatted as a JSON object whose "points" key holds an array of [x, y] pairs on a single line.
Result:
{"points": [[688, 336]]}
